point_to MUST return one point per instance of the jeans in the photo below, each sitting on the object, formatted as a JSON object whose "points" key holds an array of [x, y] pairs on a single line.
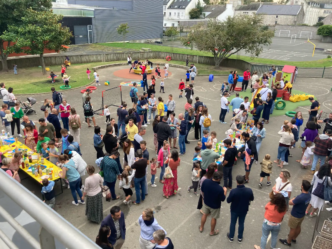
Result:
{"points": [[222, 115], [234, 217], [122, 125], [315, 161], [281, 153], [75, 187], [145, 118], [153, 113], [57, 108], [203, 129], [286, 156], [140, 185], [65, 122], [111, 186], [227, 171], [162, 172], [152, 178], [182, 143], [258, 146], [272, 107], [100, 152], [119, 164], [188, 129], [266, 229], [6, 102], [15, 71]]}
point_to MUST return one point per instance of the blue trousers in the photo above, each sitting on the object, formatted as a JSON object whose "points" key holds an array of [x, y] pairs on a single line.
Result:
{"points": [[315, 161], [282, 152], [234, 217], [162, 172], [65, 122], [266, 230], [122, 125], [140, 189], [272, 107], [75, 188], [111, 186], [152, 178], [182, 144], [222, 115]]}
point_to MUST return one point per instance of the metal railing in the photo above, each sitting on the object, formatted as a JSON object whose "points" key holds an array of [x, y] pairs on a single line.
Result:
{"points": [[52, 224]]}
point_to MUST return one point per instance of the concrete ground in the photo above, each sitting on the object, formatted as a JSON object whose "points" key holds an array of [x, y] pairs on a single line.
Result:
{"points": [[178, 215]]}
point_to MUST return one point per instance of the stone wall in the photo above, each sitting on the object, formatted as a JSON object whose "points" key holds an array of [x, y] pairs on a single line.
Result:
{"points": [[301, 32]]}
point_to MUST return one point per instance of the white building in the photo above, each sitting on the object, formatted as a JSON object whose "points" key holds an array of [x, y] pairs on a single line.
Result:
{"points": [[218, 12]]}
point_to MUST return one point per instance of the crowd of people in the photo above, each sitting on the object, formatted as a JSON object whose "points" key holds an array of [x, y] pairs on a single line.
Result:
{"points": [[58, 140]]}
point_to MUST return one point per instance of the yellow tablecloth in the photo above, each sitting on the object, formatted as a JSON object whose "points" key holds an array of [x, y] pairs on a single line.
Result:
{"points": [[47, 163]]}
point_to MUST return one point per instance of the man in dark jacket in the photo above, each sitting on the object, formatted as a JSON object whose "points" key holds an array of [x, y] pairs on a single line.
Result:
{"points": [[57, 100], [111, 144], [240, 199], [116, 222], [163, 132], [251, 145], [198, 103], [53, 119]]}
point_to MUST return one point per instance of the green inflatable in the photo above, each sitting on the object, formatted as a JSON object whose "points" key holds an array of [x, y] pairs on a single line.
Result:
{"points": [[290, 114], [280, 105]]}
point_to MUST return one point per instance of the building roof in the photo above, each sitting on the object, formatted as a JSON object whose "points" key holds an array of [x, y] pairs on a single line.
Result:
{"points": [[215, 10], [74, 6], [165, 2], [328, 19], [289, 10], [252, 7], [288, 69], [179, 4]]}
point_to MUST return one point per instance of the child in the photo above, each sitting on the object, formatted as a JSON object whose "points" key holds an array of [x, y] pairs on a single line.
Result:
{"points": [[288, 86], [195, 178], [233, 127], [48, 193], [153, 166], [166, 72], [124, 183], [8, 116], [97, 80], [53, 77], [88, 72], [157, 71], [295, 132], [44, 151], [181, 87], [266, 170], [224, 88], [205, 139], [66, 80], [197, 151], [213, 139], [162, 84], [187, 76], [306, 157], [199, 144], [107, 114], [192, 75], [53, 152], [95, 73], [64, 139]]}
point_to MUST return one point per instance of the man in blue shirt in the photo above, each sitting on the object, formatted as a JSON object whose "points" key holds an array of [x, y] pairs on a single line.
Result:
{"points": [[240, 199], [133, 95], [182, 134], [230, 79], [300, 204], [236, 102], [213, 194]]}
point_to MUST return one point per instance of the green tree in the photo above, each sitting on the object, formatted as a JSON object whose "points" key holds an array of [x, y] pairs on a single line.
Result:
{"points": [[11, 13], [38, 31], [325, 30], [207, 2], [171, 32], [223, 39], [318, 24], [123, 30], [196, 12]]}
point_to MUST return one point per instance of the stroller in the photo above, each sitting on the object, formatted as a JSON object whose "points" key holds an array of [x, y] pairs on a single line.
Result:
{"points": [[27, 106]]}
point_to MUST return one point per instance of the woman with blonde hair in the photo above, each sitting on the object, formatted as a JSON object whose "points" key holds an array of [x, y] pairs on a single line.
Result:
{"points": [[286, 140], [283, 185], [75, 125], [205, 115], [163, 155], [5, 167], [129, 153]]}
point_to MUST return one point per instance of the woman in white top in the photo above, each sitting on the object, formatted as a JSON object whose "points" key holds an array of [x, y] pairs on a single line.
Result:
{"points": [[316, 202], [204, 115], [254, 77], [283, 185], [94, 198], [129, 153], [11, 97], [286, 140], [125, 184], [152, 106]]}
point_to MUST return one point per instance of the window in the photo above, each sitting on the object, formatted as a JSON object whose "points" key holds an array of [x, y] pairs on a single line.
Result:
{"points": [[173, 24], [164, 13], [276, 16], [170, 13], [276, 22], [178, 14]]}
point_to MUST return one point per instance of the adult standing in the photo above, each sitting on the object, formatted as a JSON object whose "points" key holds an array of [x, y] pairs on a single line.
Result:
{"points": [[57, 100], [299, 204], [140, 176], [17, 115], [131, 130], [323, 148], [250, 146], [208, 175], [257, 111], [170, 105], [25, 121], [190, 120], [102, 238], [161, 107], [259, 133], [182, 133], [123, 113], [146, 155], [327, 121], [138, 138], [47, 129], [155, 130], [246, 77], [163, 132], [152, 106], [129, 153], [208, 156], [198, 114], [31, 136], [148, 226], [88, 112], [198, 103], [275, 211], [173, 123], [230, 80], [144, 78], [5, 123], [163, 155], [240, 199], [189, 92], [93, 193], [274, 97], [12, 98], [141, 110], [75, 125], [283, 185], [214, 194], [236, 102], [224, 106], [133, 94], [116, 222], [235, 78], [171, 184], [286, 141], [205, 121], [111, 172], [98, 142], [228, 163], [162, 242], [267, 107], [313, 108], [53, 119], [111, 144], [4, 93]]}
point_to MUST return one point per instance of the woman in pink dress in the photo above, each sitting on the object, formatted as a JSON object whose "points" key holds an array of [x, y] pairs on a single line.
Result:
{"points": [[31, 136], [15, 164], [171, 184]]}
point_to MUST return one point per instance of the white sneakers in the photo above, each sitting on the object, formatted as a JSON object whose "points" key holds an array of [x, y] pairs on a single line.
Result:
{"points": [[74, 203], [153, 185]]}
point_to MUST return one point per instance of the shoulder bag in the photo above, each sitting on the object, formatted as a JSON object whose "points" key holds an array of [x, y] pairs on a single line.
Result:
{"points": [[319, 190], [271, 195]]}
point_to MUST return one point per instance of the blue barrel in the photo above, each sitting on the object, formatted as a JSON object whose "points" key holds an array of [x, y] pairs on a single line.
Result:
{"points": [[240, 79], [211, 77], [165, 107]]}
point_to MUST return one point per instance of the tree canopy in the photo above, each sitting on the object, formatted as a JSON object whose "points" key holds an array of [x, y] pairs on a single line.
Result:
{"points": [[196, 12], [223, 39], [325, 30], [123, 30], [172, 31]]}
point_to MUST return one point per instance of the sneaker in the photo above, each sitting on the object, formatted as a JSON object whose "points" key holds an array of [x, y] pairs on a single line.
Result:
{"points": [[290, 155], [81, 202], [124, 201], [153, 185], [312, 215], [230, 239], [260, 185], [268, 183], [74, 203], [188, 189], [68, 186], [224, 122], [148, 123], [19, 135], [239, 240], [285, 163], [284, 242], [145, 125]]}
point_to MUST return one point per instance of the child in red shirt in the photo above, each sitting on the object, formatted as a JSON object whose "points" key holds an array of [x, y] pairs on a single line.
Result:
{"points": [[181, 87]]}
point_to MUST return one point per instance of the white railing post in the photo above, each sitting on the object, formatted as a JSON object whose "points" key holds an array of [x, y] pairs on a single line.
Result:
{"points": [[46, 239]]}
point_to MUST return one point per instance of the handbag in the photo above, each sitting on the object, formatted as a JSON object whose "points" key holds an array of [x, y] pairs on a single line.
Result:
{"points": [[101, 145], [254, 138], [327, 191], [168, 173], [271, 195], [319, 190]]}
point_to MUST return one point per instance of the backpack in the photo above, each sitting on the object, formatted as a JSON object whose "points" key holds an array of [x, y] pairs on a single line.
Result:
{"points": [[132, 92], [74, 124], [59, 97], [207, 121], [87, 107], [1, 96]]}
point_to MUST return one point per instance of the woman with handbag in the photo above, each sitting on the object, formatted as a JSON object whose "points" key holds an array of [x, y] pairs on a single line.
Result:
{"points": [[98, 142], [163, 155], [275, 211], [93, 193], [259, 133], [171, 183], [17, 115], [283, 186], [317, 193], [267, 107], [75, 125]]}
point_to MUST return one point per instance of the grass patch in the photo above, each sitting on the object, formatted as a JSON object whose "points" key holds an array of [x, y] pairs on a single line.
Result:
{"points": [[138, 46]]}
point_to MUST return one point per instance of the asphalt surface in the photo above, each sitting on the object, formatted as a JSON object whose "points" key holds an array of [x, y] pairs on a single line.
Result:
{"points": [[178, 215]]}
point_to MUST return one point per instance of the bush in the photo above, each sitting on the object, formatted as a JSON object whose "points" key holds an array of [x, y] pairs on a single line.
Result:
{"points": [[318, 24], [329, 57], [325, 30]]}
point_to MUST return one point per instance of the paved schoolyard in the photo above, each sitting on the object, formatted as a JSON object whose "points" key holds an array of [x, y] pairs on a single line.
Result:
{"points": [[178, 215]]}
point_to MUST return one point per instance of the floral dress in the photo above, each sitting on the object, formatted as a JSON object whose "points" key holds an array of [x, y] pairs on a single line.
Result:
{"points": [[30, 142], [171, 184]]}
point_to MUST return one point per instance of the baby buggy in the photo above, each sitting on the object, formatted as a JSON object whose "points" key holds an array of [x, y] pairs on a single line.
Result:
{"points": [[27, 106]]}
